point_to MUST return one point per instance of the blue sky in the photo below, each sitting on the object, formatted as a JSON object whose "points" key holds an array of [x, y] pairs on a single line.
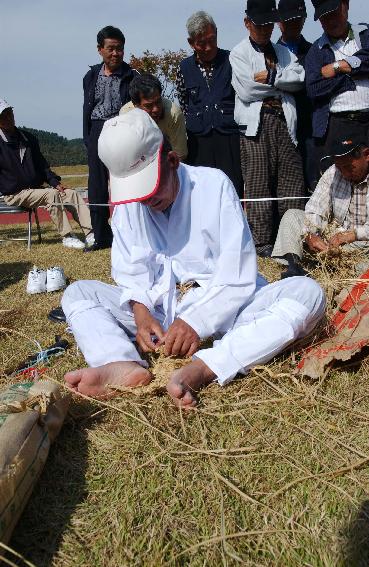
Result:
{"points": [[47, 46]]}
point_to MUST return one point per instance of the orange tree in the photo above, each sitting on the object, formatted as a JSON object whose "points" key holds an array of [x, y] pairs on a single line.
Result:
{"points": [[163, 65]]}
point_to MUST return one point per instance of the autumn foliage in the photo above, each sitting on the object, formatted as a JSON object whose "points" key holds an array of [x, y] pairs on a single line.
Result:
{"points": [[163, 65]]}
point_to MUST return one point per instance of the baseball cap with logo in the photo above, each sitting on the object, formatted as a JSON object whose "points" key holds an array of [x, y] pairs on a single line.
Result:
{"points": [[130, 146], [346, 141], [323, 7], [291, 9], [262, 12], [4, 105]]}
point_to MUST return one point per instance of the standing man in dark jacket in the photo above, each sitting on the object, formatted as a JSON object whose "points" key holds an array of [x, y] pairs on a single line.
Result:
{"points": [[337, 75], [206, 97], [292, 15], [105, 89]]}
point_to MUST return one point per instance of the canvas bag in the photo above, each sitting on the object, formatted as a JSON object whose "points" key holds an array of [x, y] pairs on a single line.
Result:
{"points": [[31, 416]]}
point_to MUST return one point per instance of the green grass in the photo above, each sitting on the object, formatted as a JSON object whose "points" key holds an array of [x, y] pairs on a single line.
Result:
{"points": [[246, 479]]}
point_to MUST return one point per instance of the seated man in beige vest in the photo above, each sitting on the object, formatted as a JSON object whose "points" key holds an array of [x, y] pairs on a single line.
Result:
{"points": [[145, 91], [24, 170]]}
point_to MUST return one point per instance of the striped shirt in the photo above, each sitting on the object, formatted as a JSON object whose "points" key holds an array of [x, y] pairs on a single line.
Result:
{"points": [[350, 100], [336, 199]]}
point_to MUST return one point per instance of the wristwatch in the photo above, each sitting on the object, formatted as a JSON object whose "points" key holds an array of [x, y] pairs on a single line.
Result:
{"points": [[336, 66]]}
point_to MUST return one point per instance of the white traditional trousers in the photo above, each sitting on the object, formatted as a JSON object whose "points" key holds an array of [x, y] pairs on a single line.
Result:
{"points": [[278, 314]]}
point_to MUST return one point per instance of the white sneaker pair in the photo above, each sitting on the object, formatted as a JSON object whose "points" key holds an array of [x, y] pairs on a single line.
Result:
{"points": [[48, 280], [71, 241]]}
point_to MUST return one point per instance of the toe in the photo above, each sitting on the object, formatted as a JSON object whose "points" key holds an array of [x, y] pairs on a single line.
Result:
{"points": [[176, 391], [188, 399]]}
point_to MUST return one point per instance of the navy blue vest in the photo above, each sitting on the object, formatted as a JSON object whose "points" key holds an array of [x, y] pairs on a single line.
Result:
{"points": [[209, 108]]}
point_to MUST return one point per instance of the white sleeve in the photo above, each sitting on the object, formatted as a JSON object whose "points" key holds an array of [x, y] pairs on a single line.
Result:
{"points": [[290, 78], [233, 282], [132, 266], [243, 82]]}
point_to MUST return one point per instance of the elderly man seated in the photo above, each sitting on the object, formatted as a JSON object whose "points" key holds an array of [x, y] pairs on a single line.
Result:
{"points": [[24, 170], [176, 224], [145, 92], [340, 199]]}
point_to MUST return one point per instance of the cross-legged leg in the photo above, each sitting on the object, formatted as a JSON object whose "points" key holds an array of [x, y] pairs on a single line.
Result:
{"points": [[279, 314], [104, 333]]}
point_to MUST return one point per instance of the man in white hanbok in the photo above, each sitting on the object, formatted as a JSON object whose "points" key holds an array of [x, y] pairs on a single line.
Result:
{"points": [[175, 224]]}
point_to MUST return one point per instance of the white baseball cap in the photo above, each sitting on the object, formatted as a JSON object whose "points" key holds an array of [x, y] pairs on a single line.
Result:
{"points": [[4, 105], [130, 146]]}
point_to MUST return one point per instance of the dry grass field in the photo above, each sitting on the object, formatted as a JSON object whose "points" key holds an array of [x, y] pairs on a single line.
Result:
{"points": [[269, 471]]}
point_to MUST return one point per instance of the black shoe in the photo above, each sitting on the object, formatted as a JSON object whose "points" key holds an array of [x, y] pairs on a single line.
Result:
{"points": [[56, 315], [292, 271], [96, 247], [264, 251]]}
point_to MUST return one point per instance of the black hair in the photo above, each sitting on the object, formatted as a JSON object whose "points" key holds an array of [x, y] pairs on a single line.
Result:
{"points": [[145, 85], [110, 32]]}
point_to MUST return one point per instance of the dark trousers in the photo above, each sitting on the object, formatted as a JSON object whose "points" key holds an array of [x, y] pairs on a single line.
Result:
{"points": [[221, 151], [98, 191], [272, 167], [338, 122], [306, 147]]}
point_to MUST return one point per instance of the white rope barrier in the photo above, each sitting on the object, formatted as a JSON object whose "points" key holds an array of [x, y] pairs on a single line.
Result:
{"points": [[260, 200]]}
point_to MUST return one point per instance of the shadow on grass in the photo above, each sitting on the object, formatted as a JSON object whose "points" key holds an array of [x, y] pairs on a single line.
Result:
{"points": [[60, 489], [355, 548], [13, 272]]}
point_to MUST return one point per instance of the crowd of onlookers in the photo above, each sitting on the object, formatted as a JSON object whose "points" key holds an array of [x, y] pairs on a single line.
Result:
{"points": [[273, 116]]}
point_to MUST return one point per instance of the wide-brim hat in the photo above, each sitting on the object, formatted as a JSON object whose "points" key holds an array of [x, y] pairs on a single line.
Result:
{"points": [[130, 146], [262, 12], [291, 10], [323, 7]]}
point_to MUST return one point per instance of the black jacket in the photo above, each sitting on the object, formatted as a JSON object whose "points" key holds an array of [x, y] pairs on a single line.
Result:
{"points": [[89, 83], [32, 172], [304, 106]]}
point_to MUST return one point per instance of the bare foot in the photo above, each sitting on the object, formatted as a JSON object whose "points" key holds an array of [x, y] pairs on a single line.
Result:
{"points": [[187, 381], [93, 381]]}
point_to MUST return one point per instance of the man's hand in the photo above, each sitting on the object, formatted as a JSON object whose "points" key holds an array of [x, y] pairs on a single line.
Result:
{"points": [[147, 327], [316, 244], [328, 71], [60, 188], [181, 339], [261, 77], [342, 238]]}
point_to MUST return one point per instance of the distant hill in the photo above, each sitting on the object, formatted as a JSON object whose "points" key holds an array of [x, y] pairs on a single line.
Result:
{"points": [[58, 150]]}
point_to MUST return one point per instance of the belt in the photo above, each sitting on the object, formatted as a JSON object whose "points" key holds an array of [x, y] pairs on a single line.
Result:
{"points": [[275, 111], [352, 114]]}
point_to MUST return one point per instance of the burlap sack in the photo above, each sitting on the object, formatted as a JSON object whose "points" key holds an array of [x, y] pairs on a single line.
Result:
{"points": [[31, 415]]}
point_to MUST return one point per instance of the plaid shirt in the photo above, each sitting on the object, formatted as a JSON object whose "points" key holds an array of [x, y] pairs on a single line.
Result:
{"points": [[336, 199]]}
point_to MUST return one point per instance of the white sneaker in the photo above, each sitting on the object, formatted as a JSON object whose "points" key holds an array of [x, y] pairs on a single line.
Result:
{"points": [[90, 239], [55, 279], [72, 241], [36, 281]]}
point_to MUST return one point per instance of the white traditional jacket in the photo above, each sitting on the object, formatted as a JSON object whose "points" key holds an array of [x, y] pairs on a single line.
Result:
{"points": [[204, 239], [290, 77]]}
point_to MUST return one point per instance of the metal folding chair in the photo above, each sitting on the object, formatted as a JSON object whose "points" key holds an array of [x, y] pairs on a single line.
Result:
{"points": [[12, 210]]}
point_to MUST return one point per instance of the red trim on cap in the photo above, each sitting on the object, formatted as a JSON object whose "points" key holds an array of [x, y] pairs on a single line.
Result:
{"points": [[139, 199]]}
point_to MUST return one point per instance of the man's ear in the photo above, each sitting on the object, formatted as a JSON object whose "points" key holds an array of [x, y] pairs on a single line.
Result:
{"points": [[173, 159], [190, 41], [246, 22]]}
